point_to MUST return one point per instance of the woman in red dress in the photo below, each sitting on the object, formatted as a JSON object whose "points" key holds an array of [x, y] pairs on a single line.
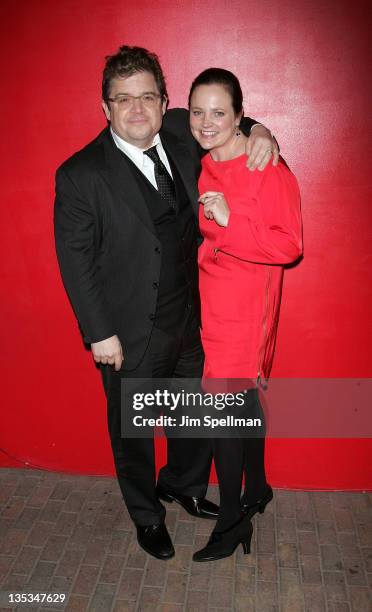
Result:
{"points": [[251, 224]]}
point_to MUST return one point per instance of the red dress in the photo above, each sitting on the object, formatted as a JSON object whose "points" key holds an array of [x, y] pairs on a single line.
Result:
{"points": [[241, 266]]}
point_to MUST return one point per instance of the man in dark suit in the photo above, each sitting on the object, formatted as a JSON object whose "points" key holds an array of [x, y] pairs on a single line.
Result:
{"points": [[126, 238]]}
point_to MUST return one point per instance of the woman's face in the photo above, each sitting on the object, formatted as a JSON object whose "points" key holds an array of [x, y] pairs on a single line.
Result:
{"points": [[212, 118]]}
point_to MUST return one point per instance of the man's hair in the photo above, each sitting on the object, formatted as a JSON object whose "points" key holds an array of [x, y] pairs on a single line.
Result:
{"points": [[227, 79], [126, 62]]}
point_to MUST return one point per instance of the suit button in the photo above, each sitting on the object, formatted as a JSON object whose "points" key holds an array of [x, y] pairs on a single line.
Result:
{"points": [[188, 306], [157, 249], [151, 317], [155, 285]]}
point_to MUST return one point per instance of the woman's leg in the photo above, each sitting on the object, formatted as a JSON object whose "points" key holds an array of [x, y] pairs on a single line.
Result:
{"points": [[254, 454], [228, 454]]}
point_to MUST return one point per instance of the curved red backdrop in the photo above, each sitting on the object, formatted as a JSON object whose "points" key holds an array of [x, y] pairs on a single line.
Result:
{"points": [[304, 69]]}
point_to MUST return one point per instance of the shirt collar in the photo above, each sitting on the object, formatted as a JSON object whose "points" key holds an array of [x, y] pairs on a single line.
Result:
{"points": [[134, 153]]}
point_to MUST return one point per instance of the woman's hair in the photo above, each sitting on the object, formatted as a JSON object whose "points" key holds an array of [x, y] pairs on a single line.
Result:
{"points": [[227, 79]]}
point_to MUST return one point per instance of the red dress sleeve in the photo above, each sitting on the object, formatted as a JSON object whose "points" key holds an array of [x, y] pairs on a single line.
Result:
{"points": [[271, 230]]}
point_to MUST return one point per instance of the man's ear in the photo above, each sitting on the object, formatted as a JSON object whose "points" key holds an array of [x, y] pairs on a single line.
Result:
{"points": [[106, 110], [164, 105]]}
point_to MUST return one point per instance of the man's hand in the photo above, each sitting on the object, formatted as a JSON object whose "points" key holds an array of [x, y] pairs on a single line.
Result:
{"points": [[261, 146], [108, 351], [215, 207]]}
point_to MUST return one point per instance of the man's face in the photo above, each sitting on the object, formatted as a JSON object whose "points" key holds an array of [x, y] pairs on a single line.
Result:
{"points": [[136, 121]]}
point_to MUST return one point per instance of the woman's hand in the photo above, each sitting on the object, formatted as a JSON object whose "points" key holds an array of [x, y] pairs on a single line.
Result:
{"points": [[215, 207]]}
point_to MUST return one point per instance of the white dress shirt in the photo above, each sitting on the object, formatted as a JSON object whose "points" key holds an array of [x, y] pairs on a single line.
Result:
{"points": [[142, 161]]}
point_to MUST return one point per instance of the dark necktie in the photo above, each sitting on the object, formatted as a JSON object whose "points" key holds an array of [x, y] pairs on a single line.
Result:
{"points": [[163, 179]]}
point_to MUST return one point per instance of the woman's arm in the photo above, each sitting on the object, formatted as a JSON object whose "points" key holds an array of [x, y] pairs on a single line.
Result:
{"points": [[271, 230]]}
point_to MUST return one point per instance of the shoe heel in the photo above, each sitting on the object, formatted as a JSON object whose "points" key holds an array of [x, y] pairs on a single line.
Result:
{"points": [[246, 543], [262, 506], [266, 500], [246, 547]]}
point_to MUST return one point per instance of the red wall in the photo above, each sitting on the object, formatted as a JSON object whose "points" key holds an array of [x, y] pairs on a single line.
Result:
{"points": [[305, 72]]}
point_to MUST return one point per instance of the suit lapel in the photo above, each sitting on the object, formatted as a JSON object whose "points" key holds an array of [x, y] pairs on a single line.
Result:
{"points": [[182, 159], [119, 175]]}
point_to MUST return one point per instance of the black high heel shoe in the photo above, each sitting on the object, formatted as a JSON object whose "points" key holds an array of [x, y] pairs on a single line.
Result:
{"points": [[223, 543], [251, 509]]}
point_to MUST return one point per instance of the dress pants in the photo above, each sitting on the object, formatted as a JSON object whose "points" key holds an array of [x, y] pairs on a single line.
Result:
{"points": [[189, 460], [235, 456]]}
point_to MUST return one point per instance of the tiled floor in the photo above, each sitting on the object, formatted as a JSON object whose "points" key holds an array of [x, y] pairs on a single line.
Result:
{"points": [[71, 534]]}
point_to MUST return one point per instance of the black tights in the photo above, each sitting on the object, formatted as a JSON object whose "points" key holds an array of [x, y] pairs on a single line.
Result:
{"points": [[232, 458]]}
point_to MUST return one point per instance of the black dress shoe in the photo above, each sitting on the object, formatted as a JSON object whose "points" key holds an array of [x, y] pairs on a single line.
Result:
{"points": [[260, 505], [196, 506], [155, 540], [223, 543]]}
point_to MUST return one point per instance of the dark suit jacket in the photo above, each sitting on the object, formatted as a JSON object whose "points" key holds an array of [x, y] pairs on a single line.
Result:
{"points": [[107, 247]]}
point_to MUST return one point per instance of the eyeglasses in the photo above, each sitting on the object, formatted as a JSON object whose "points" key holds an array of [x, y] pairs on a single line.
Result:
{"points": [[126, 101]]}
